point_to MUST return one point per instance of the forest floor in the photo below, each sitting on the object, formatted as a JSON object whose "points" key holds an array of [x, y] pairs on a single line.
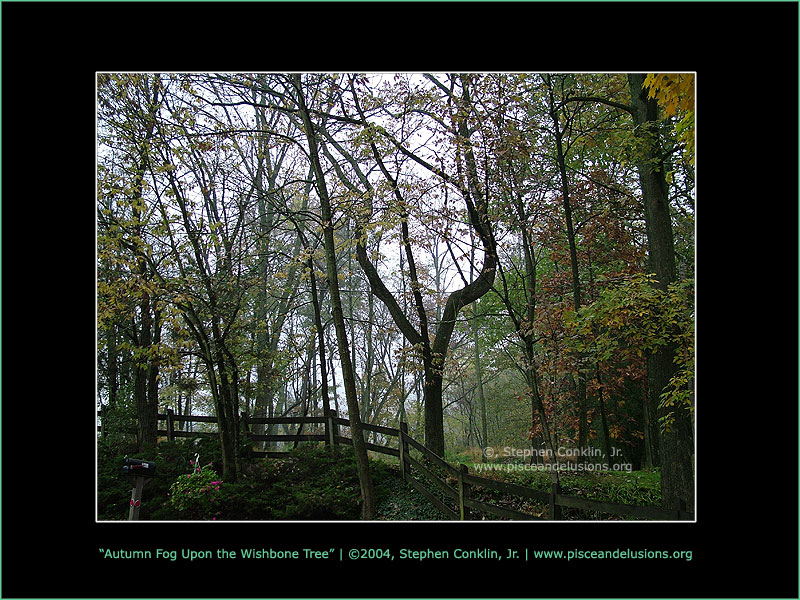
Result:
{"points": [[396, 500], [311, 484]]}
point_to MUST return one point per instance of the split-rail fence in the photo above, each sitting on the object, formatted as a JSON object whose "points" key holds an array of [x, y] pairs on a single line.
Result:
{"points": [[456, 486]]}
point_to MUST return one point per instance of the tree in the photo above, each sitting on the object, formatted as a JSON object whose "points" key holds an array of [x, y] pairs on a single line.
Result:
{"points": [[510, 128], [267, 160], [558, 112], [634, 317], [674, 92], [677, 471], [129, 105], [432, 348], [201, 208], [676, 446], [362, 462]]}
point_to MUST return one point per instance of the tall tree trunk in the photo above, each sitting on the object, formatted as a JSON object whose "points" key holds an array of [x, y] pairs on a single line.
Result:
{"points": [[228, 412], [603, 418], [479, 378], [356, 431], [323, 368], [113, 366], [478, 366], [580, 385], [153, 372], [146, 412], [334, 387], [676, 447], [527, 332], [652, 456], [268, 339], [268, 336]]}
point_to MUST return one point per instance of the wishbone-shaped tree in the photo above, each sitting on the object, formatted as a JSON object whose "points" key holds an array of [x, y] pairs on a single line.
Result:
{"points": [[430, 338]]}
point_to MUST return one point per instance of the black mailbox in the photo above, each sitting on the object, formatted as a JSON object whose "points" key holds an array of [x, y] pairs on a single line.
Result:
{"points": [[138, 468]]}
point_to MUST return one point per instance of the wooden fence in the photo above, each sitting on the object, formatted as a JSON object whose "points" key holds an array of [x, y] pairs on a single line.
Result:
{"points": [[455, 485]]}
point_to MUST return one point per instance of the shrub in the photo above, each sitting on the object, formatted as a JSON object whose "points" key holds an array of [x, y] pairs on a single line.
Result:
{"points": [[309, 484], [172, 460], [196, 495]]}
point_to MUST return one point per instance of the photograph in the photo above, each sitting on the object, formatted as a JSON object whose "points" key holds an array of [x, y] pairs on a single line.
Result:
{"points": [[395, 296]]}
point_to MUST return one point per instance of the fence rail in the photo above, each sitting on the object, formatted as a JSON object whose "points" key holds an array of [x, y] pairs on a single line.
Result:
{"points": [[455, 485]]}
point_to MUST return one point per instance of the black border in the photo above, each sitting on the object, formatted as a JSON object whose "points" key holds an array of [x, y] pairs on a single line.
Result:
{"points": [[745, 543]]}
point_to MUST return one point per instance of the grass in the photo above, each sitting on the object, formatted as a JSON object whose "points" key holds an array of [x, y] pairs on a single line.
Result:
{"points": [[396, 500], [639, 488], [311, 484]]}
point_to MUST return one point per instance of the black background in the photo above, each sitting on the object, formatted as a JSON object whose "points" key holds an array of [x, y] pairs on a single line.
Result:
{"points": [[745, 54]]}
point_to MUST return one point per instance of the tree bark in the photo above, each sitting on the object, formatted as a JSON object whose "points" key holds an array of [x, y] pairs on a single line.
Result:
{"points": [[676, 447], [580, 385], [146, 411], [113, 366], [525, 325], [479, 381], [323, 369], [356, 431], [603, 419]]}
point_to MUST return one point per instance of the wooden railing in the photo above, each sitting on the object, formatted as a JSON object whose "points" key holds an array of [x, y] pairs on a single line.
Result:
{"points": [[455, 485], [463, 502]]}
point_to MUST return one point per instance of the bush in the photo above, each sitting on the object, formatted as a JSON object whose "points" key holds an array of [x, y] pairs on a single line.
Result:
{"points": [[309, 484], [119, 427], [639, 488], [196, 496], [172, 460]]}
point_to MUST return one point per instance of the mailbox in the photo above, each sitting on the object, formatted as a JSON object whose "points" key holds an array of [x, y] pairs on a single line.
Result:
{"points": [[138, 468]]}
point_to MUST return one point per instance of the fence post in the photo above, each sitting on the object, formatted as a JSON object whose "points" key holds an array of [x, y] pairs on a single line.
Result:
{"points": [[555, 509], [243, 423], [136, 499], [463, 493], [402, 445], [170, 425], [334, 429], [335, 415], [330, 438]]}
